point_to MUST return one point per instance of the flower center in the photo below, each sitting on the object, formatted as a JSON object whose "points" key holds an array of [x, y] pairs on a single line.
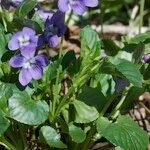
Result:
{"points": [[24, 40], [29, 62]]}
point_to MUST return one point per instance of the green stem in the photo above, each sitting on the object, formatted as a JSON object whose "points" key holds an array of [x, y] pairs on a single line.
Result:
{"points": [[69, 18], [141, 14], [3, 19], [5, 143], [115, 112], [47, 50], [78, 81], [63, 101], [56, 86], [101, 15], [88, 140], [109, 102], [23, 136]]}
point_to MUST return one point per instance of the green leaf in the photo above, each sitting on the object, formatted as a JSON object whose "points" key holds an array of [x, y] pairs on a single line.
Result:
{"points": [[68, 59], [27, 111], [5, 94], [132, 95], [92, 97], [107, 84], [138, 53], [50, 72], [76, 133], [124, 133], [2, 43], [51, 137], [147, 73], [110, 47], [90, 43], [140, 38], [122, 68], [129, 70], [36, 17], [25, 7], [4, 123], [84, 113]]}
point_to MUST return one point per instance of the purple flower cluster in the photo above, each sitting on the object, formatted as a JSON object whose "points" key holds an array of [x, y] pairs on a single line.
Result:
{"points": [[78, 6], [31, 65], [54, 29], [27, 41]]}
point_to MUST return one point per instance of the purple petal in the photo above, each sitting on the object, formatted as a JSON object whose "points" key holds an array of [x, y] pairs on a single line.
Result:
{"points": [[28, 31], [53, 41], [90, 3], [36, 72], [41, 41], [28, 51], [17, 2], [25, 76], [17, 61], [63, 5], [58, 21], [41, 60], [78, 7], [14, 43], [45, 14]]}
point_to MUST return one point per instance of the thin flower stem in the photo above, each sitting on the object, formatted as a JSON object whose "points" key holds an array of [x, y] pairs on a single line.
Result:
{"points": [[63, 101], [101, 15], [79, 81], [47, 50], [115, 112], [56, 86], [23, 136], [7, 144], [141, 14], [89, 138], [69, 18], [109, 102], [3, 19]]}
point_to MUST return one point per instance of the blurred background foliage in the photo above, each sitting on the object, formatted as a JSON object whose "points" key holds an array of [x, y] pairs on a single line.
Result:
{"points": [[117, 11]]}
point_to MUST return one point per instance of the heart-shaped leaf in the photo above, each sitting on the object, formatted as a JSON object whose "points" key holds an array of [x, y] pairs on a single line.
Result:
{"points": [[4, 123], [51, 137], [84, 113], [124, 133], [27, 111], [90, 43], [76, 133], [129, 70]]}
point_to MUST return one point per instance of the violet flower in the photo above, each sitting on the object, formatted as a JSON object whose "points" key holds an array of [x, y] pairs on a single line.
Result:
{"points": [[147, 58], [78, 6], [54, 28], [44, 14], [31, 67], [25, 40]]}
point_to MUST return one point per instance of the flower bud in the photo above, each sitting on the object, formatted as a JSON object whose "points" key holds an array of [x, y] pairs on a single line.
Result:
{"points": [[147, 58]]}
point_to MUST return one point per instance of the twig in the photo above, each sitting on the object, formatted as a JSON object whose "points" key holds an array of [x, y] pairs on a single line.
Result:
{"points": [[147, 109]]}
